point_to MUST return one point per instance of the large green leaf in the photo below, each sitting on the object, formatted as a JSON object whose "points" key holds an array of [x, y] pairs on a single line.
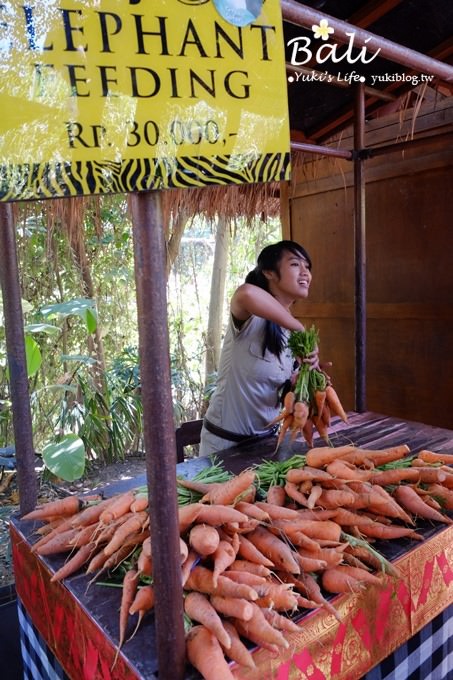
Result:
{"points": [[33, 356], [89, 316], [46, 328], [65, 458], [75, 306]]}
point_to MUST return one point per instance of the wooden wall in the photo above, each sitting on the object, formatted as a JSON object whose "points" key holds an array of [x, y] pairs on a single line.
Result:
{"points": [[409, 216]]}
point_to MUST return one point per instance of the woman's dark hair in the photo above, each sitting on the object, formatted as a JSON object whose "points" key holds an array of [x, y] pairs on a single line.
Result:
{"points": [[268, 260]]}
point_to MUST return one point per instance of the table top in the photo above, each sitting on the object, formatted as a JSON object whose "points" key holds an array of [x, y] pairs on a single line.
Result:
{"points": [[368, 430]]}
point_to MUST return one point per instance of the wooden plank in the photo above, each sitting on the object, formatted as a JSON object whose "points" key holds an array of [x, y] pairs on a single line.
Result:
{"points": [[375, 310], [391, 169]]}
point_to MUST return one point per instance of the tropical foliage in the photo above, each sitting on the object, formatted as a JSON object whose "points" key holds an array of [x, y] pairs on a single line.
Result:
{"points": [[77, 281]]}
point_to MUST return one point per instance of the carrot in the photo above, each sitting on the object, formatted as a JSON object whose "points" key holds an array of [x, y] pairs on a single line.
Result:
{"points": [[119, 507], [321, 427], [220, 514], [277, 597], [276, 495], [390, 508], [318, 529], [334, 498], [225, 493], [323, 455], [307, 473], [433, 457], [192, 559], [223, 557], [311, 564], [85, 535], [411, 501], [288, 421], [96, 563], [388, 455], [143, 601], [61, 528], [335, 404], [431, 475], [59, 543], [382, 531], [300, 415], [202, 580], [75, 563], [364, 556], [344, 470], [335, 581], [314, 593], [232, 606], [444, 495], [146, 546], [238, 652], [198, 608], [252, 511], [293, 492], [314, 495], [250, 552], [307, 431], [187, 514], [140, 503], [277, 511], [205, 654], [395, 476], [204, 539], [273, 548], [251, 567], [249, 494], [319, 397], [288, 407], [280, 622], [257, 629], [134, 524], [247, 577], [129, 591], [331, 556], [67, 506], [92, 513], [144, 564], [326, 415]]}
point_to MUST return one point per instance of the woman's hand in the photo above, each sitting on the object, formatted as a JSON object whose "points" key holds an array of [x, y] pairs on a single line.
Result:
{"points": [[312, 359]]}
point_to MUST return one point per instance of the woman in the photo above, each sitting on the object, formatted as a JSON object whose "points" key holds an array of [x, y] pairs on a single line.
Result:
{"points": [[255, 361]]}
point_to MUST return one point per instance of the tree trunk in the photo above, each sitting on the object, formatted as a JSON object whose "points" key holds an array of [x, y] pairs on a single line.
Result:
{"points": [[219, 270]]}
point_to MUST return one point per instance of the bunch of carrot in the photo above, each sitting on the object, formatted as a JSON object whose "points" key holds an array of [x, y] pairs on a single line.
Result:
{"points": [[248, 566], [313, 400]]}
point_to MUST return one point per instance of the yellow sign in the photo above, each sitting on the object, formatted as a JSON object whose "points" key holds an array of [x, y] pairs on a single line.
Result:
{"points": [[102, 96]]}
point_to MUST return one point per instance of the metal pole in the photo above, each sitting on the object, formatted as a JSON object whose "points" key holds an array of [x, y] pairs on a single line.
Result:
{"points": [[324, 150], [360, 251], [301, 15], [159, 431], [17, 363]]}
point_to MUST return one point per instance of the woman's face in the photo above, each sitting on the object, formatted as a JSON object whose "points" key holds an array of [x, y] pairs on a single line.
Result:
{"points": [[293, 279]]}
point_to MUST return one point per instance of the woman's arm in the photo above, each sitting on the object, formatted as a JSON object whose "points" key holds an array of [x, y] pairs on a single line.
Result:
{"points": [[249, 299]]}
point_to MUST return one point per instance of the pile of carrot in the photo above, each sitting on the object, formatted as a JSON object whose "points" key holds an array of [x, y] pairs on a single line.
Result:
{"points": [[312, 401], [250, 564]]}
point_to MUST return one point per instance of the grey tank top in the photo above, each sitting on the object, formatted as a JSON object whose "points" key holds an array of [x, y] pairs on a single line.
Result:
{"points": [[245, 398]]}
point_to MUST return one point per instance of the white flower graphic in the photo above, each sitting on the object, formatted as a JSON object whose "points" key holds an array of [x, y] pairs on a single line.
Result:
{"points": [[323, 30]]}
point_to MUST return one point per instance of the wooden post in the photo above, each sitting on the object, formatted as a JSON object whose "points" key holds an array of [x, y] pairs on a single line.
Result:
{"points": [[360, 251], [17, 363], [159, 430]]}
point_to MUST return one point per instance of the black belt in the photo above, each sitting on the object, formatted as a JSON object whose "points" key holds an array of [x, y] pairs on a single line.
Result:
{"points": [[234, 437]]}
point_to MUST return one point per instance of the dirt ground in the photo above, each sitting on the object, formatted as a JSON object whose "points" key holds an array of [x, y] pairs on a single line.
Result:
{"points": [[9, 499]]}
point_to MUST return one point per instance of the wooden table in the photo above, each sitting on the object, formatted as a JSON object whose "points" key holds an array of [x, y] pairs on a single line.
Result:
{"points": [[77, 628]]}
